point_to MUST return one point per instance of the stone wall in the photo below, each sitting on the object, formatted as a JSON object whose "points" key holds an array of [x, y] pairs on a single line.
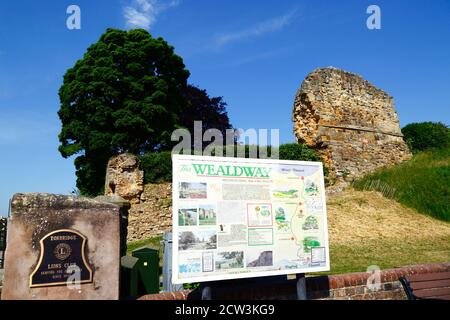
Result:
{"points": [[151, 205], [153, 214], [351, 123]]}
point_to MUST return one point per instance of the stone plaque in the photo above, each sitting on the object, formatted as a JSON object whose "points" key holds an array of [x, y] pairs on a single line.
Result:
{"points": [[62, 260], [51, 237]]}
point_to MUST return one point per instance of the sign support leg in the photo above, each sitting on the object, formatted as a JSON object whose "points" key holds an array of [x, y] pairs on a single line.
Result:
{"points": [[206, 292], [301, 287]]}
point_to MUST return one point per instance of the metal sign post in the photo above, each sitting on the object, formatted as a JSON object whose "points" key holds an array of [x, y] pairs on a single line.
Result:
{"points": [[168, 286], [248, 288], [301, 287]]}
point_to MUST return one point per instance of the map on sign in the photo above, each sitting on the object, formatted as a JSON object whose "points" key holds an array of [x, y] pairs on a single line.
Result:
{"points": [[239, 218]]}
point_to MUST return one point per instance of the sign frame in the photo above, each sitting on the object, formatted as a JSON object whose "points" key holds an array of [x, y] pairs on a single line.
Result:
{"points": [[176, 158]]}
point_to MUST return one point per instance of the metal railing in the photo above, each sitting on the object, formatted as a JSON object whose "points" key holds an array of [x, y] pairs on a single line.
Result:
{"points": [[3, 228]]}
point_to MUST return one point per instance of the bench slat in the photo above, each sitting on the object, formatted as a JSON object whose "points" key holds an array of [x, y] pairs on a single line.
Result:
{"points": [[428, 276], [430, 284], [446, 297], [427, 293]]}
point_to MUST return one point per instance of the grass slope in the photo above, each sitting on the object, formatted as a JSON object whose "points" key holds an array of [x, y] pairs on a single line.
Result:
{"points": [[422, 183], [154, 242], [365, 228]]}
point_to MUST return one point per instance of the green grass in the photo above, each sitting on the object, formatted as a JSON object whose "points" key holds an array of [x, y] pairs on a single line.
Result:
{"points": [[356, 258], [387, 254], [423, 183], [154, 242]]}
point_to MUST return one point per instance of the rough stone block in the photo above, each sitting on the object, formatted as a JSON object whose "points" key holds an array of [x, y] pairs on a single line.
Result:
{"points": [[124, 178], [351, 123], [48, 233]]}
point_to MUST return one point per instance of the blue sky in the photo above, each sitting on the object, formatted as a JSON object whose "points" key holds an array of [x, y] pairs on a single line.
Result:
{"points": [[254, 53]]}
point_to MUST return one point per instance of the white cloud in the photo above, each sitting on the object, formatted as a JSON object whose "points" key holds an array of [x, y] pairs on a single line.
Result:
{"points": [[260, 29], [144, 13]]}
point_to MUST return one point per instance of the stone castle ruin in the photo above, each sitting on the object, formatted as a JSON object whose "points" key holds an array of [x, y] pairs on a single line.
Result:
{"points": [[349, 122], [151, 205]]}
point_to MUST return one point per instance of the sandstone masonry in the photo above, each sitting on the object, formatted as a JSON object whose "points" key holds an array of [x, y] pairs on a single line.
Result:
{"points": [[153, 214], [351, 123], [124, 178], [151, 205]]}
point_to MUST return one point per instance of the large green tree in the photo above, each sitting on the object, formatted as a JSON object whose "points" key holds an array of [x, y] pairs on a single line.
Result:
{"points": [[201, 107], [124, 95]]}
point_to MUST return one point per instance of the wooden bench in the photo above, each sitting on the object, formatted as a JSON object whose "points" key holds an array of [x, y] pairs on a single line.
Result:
{"points": [[427, 286]]}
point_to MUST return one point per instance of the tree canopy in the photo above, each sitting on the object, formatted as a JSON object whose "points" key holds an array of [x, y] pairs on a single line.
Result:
{"points": [[210, 110], [127, 94], [426, 135], [124, 95]]}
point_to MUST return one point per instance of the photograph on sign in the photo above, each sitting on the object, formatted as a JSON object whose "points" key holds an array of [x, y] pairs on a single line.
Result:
{"points": [[241, 218]]}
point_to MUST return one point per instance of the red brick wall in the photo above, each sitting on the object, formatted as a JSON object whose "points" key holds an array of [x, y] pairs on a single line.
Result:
{"points": [[336, 287]]}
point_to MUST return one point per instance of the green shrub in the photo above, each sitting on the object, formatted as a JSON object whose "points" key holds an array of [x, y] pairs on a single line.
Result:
{"points": [[426, 135], [295, 151], [157, 166]]}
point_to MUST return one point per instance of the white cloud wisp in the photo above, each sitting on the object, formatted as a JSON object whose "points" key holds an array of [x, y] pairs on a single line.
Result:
{"points": [[260, 29], [144, 13]]}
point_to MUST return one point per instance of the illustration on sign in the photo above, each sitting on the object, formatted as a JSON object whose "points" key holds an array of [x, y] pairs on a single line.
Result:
{"points": [[240, 218], [62, 252]]}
